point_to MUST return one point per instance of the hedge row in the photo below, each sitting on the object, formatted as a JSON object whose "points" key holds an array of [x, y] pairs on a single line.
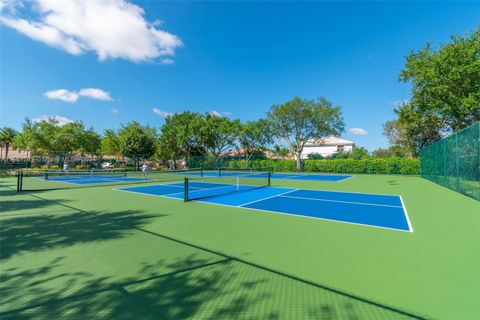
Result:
{"points": [[371, 165]]}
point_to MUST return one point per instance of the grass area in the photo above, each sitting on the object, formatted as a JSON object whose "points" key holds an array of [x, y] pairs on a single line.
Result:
{"points": [[100, 253]]}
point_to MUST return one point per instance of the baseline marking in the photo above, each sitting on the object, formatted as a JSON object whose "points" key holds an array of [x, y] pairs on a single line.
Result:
{"points": [[406, 215]]}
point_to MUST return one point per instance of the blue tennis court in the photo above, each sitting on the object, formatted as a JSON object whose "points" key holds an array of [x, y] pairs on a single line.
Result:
{"points": [[287, 176], [375, 210]]}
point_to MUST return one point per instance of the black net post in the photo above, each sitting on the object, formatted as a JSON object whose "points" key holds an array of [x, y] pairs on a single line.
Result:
{"points": [[19, 181], [185, 192], [269, 178]]}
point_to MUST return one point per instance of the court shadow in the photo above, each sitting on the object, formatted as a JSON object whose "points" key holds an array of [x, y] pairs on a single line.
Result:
{"points": [[392, 182], [15, 205], [32, 233], [195, 288]]}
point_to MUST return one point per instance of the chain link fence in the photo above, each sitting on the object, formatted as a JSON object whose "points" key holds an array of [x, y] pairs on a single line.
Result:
{"points": [[454, 161]]}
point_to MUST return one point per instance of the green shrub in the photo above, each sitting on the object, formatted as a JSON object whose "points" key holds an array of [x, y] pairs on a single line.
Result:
{"points": [[51, 167], [82, 167], [370, 165]]}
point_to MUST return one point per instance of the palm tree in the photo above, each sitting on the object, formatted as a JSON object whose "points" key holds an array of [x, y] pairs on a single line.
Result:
{"points": [[6, 138]]}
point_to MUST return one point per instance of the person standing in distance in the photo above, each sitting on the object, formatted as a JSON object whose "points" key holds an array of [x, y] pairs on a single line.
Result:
{"points": [[66, 168], [145, 170]]}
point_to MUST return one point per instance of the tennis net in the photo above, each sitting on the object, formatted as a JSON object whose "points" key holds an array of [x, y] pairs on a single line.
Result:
{"points": [[52, 180], [64, 175], [207, 187], [234, 171]]}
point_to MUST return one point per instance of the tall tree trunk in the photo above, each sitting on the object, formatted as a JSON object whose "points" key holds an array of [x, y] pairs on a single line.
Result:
{"points": [[7, 146], [247, 160], [299, 161]]}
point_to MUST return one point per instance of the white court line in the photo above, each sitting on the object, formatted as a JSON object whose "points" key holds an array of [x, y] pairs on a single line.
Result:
{"points": [[166, 196], [341, 201], [288, 177], [170, 185], [199, 189], [406, 215], [349, 177], [277, 195], [59, 181], [335, 191]]}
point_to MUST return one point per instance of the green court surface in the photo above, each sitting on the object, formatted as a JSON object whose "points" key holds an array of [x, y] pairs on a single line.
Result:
{"points": [[97, 253]]}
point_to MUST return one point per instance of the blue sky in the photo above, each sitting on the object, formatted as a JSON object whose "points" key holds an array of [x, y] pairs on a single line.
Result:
{"points": [[148, 59]]}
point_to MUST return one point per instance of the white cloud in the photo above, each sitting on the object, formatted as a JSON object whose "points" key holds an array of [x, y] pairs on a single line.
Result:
{"points": [[357, 131], [219, 113], [113, 110], [110, 28], [61, 120], [72, 96], [161, 113], [62, 94], [97, 94]]}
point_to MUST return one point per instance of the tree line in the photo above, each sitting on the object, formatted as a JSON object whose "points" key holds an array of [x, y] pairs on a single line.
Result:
{"points": [[187, 134]]}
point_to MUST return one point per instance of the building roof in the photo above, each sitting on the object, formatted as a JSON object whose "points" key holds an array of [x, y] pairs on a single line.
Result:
{"points": [[329, 141]]}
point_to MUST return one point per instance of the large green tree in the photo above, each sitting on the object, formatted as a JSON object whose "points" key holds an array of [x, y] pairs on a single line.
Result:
{"points": [[40, 136], [24, 139], [180, 136], [55, 140], [300, 120], [218, 134], [7, 136], [111, 142], [445, 89], [137, 142], [254, 136], [394, 130], [359, 153], [91, 142], [393, 151]]}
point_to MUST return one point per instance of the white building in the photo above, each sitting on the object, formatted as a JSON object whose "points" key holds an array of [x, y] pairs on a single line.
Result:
{"points": [[327, 147]]}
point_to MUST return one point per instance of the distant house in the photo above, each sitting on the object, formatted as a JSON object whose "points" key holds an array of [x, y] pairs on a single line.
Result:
{"points": [[259, 153], [327, 147], [15, 154]]}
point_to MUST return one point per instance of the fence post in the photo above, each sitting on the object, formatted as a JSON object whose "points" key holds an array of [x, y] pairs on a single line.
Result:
{"points": [[457, 164], [444, 161]]}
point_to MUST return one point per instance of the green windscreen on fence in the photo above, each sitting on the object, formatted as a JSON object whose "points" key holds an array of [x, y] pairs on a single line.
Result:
{"points": [[454, 161]]}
